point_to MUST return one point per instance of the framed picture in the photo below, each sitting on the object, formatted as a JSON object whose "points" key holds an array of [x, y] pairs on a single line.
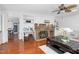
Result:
{"points": [[28, 21], [46, 21]]}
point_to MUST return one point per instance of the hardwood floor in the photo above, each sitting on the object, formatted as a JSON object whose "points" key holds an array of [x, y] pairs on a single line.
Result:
{"points": [[20, 47]]}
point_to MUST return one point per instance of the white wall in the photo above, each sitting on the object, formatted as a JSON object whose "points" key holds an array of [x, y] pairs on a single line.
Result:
{"points": [[71, 21], [4, 27], [21, 26], [4, 32], [0, 31], [40, 19]]}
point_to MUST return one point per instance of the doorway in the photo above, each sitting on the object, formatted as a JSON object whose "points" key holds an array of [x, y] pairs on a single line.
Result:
{"points": [[13, 29]]}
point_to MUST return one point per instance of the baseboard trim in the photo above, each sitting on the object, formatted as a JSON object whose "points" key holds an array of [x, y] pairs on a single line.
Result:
{"points": [[4, 43]]}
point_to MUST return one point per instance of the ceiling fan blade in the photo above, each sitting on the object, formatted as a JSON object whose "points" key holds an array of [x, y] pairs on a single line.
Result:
{"points": [[58, 12], [71, 6], [67, 10]]}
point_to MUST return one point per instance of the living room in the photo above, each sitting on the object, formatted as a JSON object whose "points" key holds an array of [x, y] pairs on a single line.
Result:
{"points": [[30, 28]]}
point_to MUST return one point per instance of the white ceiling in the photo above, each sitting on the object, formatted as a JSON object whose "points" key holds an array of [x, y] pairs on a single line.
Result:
{"points": [[33, 8]]}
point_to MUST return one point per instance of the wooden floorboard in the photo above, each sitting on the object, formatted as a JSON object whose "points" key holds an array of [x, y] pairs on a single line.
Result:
{"points": [[20, 47]]}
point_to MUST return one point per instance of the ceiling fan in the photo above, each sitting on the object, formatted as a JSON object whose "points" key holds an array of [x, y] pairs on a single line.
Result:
{"points": [[64, 8]]}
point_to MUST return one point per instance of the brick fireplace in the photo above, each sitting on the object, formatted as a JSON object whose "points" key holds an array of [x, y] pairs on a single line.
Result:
{"points": [[44, 30]]}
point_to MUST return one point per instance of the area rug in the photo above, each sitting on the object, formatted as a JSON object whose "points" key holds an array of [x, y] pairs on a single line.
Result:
{"points": [[48, 50]]}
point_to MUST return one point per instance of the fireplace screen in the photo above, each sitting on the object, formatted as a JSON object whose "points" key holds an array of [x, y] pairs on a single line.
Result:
{"points": [[43, 34]]}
